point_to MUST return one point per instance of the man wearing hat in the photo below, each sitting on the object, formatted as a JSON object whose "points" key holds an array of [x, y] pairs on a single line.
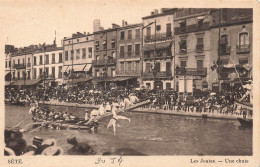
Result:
{"points": [[37, 141]]}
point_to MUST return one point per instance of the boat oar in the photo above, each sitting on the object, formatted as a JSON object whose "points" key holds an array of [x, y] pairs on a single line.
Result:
{"points": [[21, 122], [36, 129]]}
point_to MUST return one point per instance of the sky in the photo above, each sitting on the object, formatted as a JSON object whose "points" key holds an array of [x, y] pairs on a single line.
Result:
{"points": [[26, 22], [34, 22]]}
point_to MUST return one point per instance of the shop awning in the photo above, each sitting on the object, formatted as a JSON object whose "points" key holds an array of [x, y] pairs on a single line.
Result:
{"points": [[64, 69], [79, 80], [78, 67], [163, 45], [8, 83], [7, 72], [121, 79], [87, 67]]}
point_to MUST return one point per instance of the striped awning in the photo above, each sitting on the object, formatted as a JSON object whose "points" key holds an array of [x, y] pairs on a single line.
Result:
{"points": [[162, 45]]}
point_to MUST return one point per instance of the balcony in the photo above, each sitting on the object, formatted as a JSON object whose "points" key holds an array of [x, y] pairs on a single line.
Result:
{"points": [[158, 36], [19, 66], [161, 55], [60, 61], [191, 28], [130, 54], [224, 50], [28, 64], [128, 72], [191, 71], [104, 62], [161, 74], [199, 48], [243, 49]]}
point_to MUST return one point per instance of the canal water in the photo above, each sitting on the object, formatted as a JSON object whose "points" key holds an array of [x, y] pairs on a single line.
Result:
{"points": [[152, 134]]}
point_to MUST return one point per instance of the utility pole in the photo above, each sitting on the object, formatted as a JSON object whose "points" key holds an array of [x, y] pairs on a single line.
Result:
{"points": [[154, 71], [72, 58], [105, 71]]}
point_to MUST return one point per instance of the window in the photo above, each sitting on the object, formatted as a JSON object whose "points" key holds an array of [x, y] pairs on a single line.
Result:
{"points": [[77, 40], [66, 55], [129, 34], [122, 35], [83, 53], [53, 72], [77, 54], [137, 64], [13, 62], [34, 73], [224, 39], [13, 74], [168, 30], [224, 61], [122, 50], [90, 52], [60, 57], [5, 64], [137, 49], [72, 54], [148, 33], [158, 28], [243, 39], [29, 60], [157, 67], [18, 61], [183, 46], [121, 67], [9, 63], [183, 25], [137, 33], [105, 44], [53, 58], [46, 59], [147, 67], [199, 63], [200, 46], [168, 86], [183, 64], [97, 45], [60, 72], [113, 43], [18, 73], [47, 71], [242, 61], [23, 60], [40, 72], [129, 50], [41, 60]]}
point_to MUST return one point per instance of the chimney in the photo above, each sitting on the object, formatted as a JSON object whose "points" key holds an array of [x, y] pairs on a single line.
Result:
{"points": [[155, 11], [152, 13], [123, 23], [84, 32]]}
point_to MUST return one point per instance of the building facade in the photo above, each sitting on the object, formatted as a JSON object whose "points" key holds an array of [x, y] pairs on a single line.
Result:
{"points": [[158, 33], [48, 64], [104, 63], [129, 57], [192, 50], [231, 45], [78, 57]]}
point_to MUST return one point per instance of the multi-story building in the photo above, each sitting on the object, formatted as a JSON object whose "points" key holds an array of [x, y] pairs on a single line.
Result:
{"points": [[78, 56], [158, 49], [104, 63], [231, 46], [8, 68], [129, 49], [48, 60], [21, 65], [192, 50]]}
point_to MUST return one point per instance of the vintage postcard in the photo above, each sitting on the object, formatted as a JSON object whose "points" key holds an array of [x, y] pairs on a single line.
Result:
{"points": [[130, 83]]}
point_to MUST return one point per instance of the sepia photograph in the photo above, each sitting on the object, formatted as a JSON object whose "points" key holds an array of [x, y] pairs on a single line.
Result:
{"points": [[89, 78]]}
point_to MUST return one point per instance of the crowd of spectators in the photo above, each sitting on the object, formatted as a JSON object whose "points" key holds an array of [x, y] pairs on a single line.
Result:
{"points": [[207, 101]]}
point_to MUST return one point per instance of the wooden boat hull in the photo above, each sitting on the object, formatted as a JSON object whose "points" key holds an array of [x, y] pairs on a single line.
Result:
{"points": [[64, 126], [245, 122]]}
